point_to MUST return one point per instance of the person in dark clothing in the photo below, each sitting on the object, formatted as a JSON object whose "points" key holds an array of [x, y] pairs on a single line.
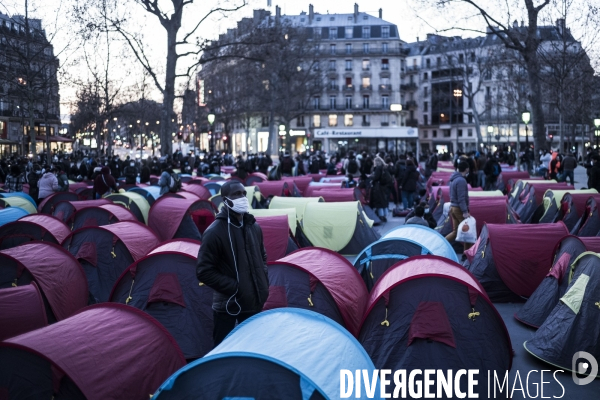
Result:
{"points": [[313, 165], [569, 164], [145, 172], [103, 183], [417, 218], [459, 200], [331, 166], [594, 181], [287, 165], [378, 200], [130, 173], [409, 185], [431, 164], [240, 169], [233, 262], [491, 170]]}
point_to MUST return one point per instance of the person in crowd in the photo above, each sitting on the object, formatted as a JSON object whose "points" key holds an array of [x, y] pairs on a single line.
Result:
{"points": [[426, 215], [380, 179], [431, 164], [145, 172], [233, 262], [14, 180], [492, 171], [481, 161], [168, 180], [130, 173], [459, 200], [555, 165], [240, 169], [331, 166], [351, 164], [299, 169], [409, 185], [594, 181], [545, 159], [104, 183], [418, 218], [32, 178], [350, 183], [48, 183], [63, 179], [569, 164], [287, 164]]}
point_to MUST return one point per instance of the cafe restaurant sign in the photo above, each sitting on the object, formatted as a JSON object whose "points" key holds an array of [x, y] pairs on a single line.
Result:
{"points": [[402, 132]]}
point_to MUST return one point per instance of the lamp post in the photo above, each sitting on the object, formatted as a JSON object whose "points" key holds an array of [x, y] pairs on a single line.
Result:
{"points": [[597, 130], [526, 117], [211, 120]]}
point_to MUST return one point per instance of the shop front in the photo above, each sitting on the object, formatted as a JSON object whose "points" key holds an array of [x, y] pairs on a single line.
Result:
{"points": [[398, 140]]}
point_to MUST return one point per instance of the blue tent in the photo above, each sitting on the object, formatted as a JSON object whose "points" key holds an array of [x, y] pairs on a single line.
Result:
{"points": [[436, 243], [379, 256], [20, 194], [150, 193], [11, 214], [283, 353]]}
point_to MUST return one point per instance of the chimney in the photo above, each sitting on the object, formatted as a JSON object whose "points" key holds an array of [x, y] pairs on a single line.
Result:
{"points": [[380, 13], [417, 39], [311, 13], [277, 13], [522, 23], [560, 24], [355, 12], [515, 24]]}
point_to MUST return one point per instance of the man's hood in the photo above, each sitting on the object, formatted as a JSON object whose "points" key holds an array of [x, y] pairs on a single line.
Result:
{"points": [[455, 175]]}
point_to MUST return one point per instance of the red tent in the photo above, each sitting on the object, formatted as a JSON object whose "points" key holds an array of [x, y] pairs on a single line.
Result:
{"points": [[277, 188], [104, 214], [198, 190], [172, 217], [107, 351], [56, 272], [33, 227], [510, 261], [21, 310], [341, 280], [491, 210], [439, 179], [301, 182], [65, 209], [186, 246], [277, 236], [516, 175], [47, 205]]}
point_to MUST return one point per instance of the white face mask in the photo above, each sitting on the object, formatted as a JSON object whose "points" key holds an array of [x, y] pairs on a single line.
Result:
{"points": [[239, 206], [132, 164], [426, 210]]}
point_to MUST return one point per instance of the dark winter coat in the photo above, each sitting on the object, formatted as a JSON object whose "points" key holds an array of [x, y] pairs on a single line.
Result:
{"points": [[216, 266], [459, 192], [594, 180], [378, 191], [411, 176]]}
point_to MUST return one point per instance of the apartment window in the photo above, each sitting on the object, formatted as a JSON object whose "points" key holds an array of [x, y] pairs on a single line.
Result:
{"points": [[332, 33], [348, 102], [438, 61], [461, 58], [470, 132], [428, 63], [460, 132], [348, 120], [332, 84], [316, 102], [366, 82], [385, 65], [472, 57], [366, 48], [425, 120], [425, 76], [332, 119], [385, 120], [348, 48], [348, 65], [446, 132], [385, 31], [425, 91], [384, 48], [425, 134], [434, 133], [366, 65], [332, 65], [365, 101], [425, 106], [332, 102], [348, 81], [300, 121], [265, 121], [470, 118], [332, 49], [385, 102], [317, 121], [366, 120], [366, 32], [349, 32], [318, 32]]}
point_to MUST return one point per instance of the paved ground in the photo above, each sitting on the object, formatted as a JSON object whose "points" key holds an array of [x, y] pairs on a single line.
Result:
{"points": [[523, 362]]}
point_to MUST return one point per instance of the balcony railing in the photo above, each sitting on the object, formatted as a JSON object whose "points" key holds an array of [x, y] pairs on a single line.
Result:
{"points": [[411, 104], [366, 123], [385, 88], [348, 88], [412, 122], [333, 87], [366, 88], [409, 86], [413, 69], [372, 51]]}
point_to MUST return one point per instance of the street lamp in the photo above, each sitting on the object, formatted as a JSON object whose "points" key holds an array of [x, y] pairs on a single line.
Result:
{"points": [[526, 117], [211, 120]]}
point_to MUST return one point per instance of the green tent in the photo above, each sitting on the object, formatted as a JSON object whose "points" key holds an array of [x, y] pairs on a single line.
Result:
{"points": [[134, 202], [340, 226], [299, 203], [18, 202]]}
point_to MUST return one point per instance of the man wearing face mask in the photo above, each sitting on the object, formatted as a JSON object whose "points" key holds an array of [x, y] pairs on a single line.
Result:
{"points": [[459, 200], [233, 262]]}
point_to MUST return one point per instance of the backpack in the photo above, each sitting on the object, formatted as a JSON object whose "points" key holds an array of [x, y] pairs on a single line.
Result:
{"points": [[496, 171], [174, 183], [386, 178], [352, 166]]}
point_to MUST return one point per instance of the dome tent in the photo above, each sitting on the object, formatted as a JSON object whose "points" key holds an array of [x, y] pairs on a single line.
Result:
{"points": [[433, 241], [269, 349], [149, 193], [33, 227], [21, 195], [379, 256], [11, 214], [47, 205], [164, 285], [537, 308], [20, 202], [104, 214], [428, 312], [511, 261], [277, 236], [57, 274], [134, 202], [278, 188], [173, 217], [64, 210], [572, 207], [103, 352], [549, 209], [589, 223], [572, 326], [340, 227], [22, 310], [320, 280], [106, 251]]}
